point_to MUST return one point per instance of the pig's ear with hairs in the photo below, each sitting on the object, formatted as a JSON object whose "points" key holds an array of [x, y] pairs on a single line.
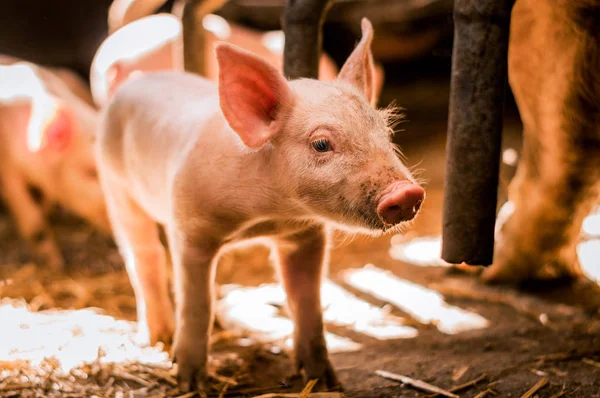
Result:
{"points": [[359, 69], [253, 95]]}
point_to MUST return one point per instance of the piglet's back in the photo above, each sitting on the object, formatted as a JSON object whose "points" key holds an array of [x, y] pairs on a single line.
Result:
{"points": [[149, 127], [156, 117]]}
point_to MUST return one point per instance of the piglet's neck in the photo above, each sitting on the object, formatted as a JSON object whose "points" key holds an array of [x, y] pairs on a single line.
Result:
{"points": [[263, 185]]}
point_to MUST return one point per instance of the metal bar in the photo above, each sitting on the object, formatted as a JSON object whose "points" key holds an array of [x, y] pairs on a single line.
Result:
{"points": [[477, 92], [194, 51], [302, 23]]}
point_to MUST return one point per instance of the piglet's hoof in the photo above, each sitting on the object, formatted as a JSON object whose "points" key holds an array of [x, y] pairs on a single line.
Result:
{"points": [[161, 331], [190, 377], [144, 337], [187, 381], [325, 376], [191, 369]]}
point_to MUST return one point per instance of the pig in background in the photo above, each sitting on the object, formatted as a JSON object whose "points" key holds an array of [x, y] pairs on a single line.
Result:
{"points": [[256, 157], [554, 72], [146, 45], [47, 127], [154, 42]]}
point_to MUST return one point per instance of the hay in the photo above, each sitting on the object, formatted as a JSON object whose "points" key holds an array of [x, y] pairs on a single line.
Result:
{"points": [[85, 353]]}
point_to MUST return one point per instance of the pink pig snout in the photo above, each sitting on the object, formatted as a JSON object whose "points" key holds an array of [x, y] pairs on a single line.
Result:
{"points": [[400, 202]]}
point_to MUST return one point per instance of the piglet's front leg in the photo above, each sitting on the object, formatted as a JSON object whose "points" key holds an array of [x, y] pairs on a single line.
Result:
{"points": [[302, 257], [194, 260]]}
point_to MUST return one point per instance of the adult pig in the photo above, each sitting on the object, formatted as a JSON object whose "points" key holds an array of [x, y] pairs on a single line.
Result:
{"points": [[46, 136], [554, 72], [254, 157]]}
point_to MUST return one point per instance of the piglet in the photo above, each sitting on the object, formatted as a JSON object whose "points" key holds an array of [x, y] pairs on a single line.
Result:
{"points": [[152, 43], [255, 156], [46, 142]]}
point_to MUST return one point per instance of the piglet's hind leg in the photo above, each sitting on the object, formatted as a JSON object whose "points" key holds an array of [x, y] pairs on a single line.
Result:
{"points": [[145, 258]]}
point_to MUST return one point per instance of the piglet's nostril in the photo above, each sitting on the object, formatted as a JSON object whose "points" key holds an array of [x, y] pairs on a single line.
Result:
{"points": [[418, 206], [400, 203]]}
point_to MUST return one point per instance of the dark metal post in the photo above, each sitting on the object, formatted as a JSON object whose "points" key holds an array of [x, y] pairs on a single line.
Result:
{"points": [[302, 23], [477, 92], [193, 34], [193, 38]]}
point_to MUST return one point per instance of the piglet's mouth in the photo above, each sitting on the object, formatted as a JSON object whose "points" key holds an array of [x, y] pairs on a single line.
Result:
{"points": [[400, 202]]}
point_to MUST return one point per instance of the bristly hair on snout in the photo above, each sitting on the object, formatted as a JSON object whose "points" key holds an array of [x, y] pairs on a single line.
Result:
{"points": [[394, 115]]}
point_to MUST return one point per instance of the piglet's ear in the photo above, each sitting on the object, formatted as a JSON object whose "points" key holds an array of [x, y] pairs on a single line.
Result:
{"points": [[253, 95], [117, 74], [359, 69], [50, 128]]}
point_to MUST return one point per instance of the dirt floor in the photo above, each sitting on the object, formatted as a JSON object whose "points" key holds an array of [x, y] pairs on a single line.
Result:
{"points": [[535, 333]]}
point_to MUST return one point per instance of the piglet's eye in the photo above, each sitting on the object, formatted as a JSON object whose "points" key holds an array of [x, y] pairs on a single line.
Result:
{"points": [[321, 145]]}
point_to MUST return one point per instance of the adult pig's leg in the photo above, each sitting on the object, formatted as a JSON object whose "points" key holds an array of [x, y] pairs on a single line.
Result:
{"points": [[554, 71]]}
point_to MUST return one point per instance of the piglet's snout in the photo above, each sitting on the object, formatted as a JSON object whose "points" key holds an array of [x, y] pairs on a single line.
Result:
{"points": [[401, 202]]}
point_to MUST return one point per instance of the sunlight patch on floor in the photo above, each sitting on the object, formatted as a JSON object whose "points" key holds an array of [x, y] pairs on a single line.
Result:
{"points": [[334, 342], [591, 224], [422, 251], [257, 310], [425, 305], [589, 258], [69, 338], [425, 251], [343, 308], [253, 312], [589, 250]]}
